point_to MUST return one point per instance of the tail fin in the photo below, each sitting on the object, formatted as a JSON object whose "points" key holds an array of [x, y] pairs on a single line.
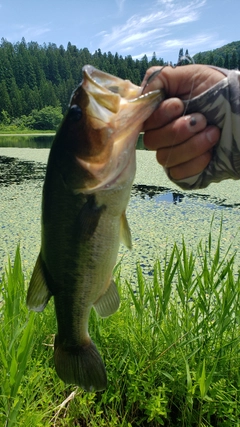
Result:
{"points": [[81, 365]]}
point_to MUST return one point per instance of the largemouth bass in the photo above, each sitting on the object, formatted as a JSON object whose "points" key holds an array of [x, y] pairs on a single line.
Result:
{"points": [[89, 176]]}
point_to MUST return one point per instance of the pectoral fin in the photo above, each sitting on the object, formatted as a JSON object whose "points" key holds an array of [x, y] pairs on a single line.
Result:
{"points": [[38, 293], [109, 302], [125, 232]]}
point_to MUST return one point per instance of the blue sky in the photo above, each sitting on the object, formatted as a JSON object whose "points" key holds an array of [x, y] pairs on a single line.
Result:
{"points": [[129, 27]]}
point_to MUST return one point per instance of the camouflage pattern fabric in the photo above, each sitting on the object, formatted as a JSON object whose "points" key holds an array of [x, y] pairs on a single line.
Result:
{"points": [[221, 107]]}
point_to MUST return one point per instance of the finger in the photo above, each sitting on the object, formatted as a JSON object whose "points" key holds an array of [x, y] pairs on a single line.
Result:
{"points": [[150, 75], [191, 168], [166, 112], [190, 149], [186, 81], [175, 132]]}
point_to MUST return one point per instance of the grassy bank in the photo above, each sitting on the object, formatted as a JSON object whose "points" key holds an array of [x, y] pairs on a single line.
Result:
{"points": [[13, 129], [26, 132], [171, 351]]}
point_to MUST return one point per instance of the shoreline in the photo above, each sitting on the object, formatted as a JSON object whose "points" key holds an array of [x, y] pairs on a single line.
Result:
{"points": [[28, 134], [35, 134]]}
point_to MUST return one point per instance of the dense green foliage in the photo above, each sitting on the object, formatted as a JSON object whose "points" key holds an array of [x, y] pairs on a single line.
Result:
{"points": [[227, 56], [33, 77], [171, 350]]}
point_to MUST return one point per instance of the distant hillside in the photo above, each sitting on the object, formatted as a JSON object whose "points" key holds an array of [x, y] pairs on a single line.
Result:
{"points": [[33, 77], [227, 56]]}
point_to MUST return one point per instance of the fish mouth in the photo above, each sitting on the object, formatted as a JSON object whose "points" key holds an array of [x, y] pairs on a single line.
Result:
{"points": [[116, 108], [124, 88]]}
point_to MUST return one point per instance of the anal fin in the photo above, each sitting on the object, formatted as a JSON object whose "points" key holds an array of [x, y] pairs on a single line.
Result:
{"points": [[109, 302], [38, 293]]}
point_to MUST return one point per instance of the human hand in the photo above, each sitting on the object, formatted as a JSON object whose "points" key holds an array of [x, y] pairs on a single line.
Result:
{"points": [[183, 142]]}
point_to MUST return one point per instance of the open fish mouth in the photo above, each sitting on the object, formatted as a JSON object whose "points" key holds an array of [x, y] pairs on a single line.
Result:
{"points": [[101, 80], [116, 109], [93, 151]]}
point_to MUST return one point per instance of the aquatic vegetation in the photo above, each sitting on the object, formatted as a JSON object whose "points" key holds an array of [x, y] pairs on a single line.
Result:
{"points": [[155, 219], [171, 350]]}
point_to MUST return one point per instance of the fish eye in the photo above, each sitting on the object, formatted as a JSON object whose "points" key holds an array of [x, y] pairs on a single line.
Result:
{"points": [[75, 113]]}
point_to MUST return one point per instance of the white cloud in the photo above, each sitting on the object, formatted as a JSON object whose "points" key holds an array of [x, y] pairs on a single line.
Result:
{"points": [[120, 4], [138, 37], [14, 33], [193, 16], [200, 42], [143, 31], [101, 33], [27, 31], [35, 31]]}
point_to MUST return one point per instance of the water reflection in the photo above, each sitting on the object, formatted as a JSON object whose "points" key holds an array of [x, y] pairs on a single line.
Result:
{"points": [[15, 171], [40, 141], [26, 141], [160, 194]]}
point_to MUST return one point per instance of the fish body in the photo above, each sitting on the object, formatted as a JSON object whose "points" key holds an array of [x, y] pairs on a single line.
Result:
{"points": [[89, 176]]}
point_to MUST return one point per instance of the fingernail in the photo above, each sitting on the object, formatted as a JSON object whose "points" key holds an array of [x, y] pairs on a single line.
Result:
{"points": [[211, 135], [193, 121], [173, 108], [196, 122]]}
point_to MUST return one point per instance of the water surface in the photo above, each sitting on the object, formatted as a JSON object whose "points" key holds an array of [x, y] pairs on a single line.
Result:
{"points": [[159, 212], [26, 141]]}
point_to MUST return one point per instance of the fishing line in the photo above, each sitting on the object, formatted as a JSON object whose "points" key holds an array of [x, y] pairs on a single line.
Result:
{"points": [[157, 72]]}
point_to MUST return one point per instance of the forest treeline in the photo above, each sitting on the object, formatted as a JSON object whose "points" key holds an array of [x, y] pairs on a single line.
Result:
{"points": [[36, 81], [227, 56], [35, 77]]}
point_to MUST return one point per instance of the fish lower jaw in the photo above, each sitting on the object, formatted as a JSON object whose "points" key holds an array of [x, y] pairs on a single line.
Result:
{"points": [[122, 178], [118, 181], [121, 181]]}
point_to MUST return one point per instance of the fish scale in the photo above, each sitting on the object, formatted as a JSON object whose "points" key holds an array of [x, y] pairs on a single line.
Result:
{"points": [[88, 181]]}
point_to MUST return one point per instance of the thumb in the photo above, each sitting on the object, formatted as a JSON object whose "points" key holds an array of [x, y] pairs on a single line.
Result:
{"points": [[181, 81], [176, 81], [150, 83]]}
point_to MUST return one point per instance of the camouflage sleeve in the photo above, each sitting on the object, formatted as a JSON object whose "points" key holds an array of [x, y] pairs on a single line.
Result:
{"points": [[221, 106]]}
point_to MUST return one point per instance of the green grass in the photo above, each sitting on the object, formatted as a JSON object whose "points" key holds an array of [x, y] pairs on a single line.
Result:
{"points": [[171, 351], [13, 129]]}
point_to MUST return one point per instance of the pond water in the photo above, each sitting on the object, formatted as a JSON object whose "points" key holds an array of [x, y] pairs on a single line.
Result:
{"points": [[159, 213], [39, 141]]}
